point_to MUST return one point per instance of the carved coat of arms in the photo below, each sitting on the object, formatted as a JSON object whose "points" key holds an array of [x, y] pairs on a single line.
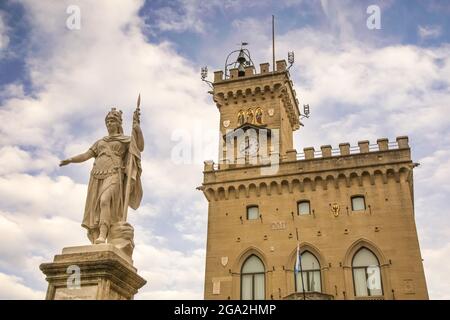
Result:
{"points": [[335, 209], [224, 261]]}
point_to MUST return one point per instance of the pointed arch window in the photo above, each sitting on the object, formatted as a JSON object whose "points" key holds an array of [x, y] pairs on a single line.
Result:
{"points": [[310, 272], [253, 279], [366, 274]]}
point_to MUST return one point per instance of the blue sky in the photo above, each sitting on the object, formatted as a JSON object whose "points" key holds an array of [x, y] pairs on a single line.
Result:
{"points": [[57, 84]]}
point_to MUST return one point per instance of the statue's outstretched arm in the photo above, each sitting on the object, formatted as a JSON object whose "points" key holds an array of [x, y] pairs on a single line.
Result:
{"points": [[77, 159]]}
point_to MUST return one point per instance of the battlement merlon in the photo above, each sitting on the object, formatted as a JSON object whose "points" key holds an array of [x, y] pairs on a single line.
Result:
{"points": [[263, 85], [384, 157]]}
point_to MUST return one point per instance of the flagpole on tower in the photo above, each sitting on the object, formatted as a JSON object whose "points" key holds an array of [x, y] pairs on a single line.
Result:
{"points": [[273, 42]]}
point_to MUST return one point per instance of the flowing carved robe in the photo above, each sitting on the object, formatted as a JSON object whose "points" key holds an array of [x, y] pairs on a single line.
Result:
{"points": [[112, 154]]}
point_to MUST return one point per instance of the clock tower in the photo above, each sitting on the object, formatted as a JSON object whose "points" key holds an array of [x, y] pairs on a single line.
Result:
{"points": [[258, 113]]}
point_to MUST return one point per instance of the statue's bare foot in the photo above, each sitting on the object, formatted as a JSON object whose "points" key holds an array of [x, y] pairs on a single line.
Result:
{"points": [[100, 240]]}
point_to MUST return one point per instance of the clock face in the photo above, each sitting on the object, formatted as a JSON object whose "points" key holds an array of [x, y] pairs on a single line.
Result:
{"points": [[253, 146], [243, 147], [249, 147]]}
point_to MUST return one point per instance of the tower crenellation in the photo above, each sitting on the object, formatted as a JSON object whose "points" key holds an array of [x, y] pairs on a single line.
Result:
{"points": [[326, 151], [264, 69], [322, 168]]}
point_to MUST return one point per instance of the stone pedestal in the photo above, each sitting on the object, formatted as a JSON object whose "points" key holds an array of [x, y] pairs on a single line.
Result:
{"points": [[93, 272]]}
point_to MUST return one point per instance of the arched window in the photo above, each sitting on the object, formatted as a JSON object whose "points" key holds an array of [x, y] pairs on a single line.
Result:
{"points": [[252, 279], [366, 274], [310, 271]]}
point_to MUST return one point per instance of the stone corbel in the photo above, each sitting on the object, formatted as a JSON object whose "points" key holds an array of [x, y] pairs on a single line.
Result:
{"points": [[219, 99]]}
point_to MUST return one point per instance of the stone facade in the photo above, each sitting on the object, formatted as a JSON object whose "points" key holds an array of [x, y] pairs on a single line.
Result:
{"points": [[333, 232]]}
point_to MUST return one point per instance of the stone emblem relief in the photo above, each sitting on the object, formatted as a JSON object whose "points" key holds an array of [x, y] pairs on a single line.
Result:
{"points": [[335, 209], [224, 261]]}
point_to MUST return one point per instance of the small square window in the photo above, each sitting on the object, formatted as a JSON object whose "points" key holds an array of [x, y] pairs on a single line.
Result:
{"points": [[358, 203], [252, 213], [303, 208]]}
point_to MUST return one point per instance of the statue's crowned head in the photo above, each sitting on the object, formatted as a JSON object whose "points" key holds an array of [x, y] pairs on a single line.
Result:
{"points": [[114, 117]]}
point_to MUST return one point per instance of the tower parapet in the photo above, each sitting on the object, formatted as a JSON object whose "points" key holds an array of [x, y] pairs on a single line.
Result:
{"points": [[345, 149], [363, 148], [318, 168], [264, 69]]}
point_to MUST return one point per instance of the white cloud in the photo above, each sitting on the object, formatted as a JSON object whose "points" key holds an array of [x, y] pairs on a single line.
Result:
{"points": [[170, 20], [170, 274], [194, 15], [341, 17], [13, 288], [10, 231], [431, 194], [28, 241], [435, 169], [16, 160], [437, 269], [43, 196], [24, 236], [12, 90], [429, 32]]}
